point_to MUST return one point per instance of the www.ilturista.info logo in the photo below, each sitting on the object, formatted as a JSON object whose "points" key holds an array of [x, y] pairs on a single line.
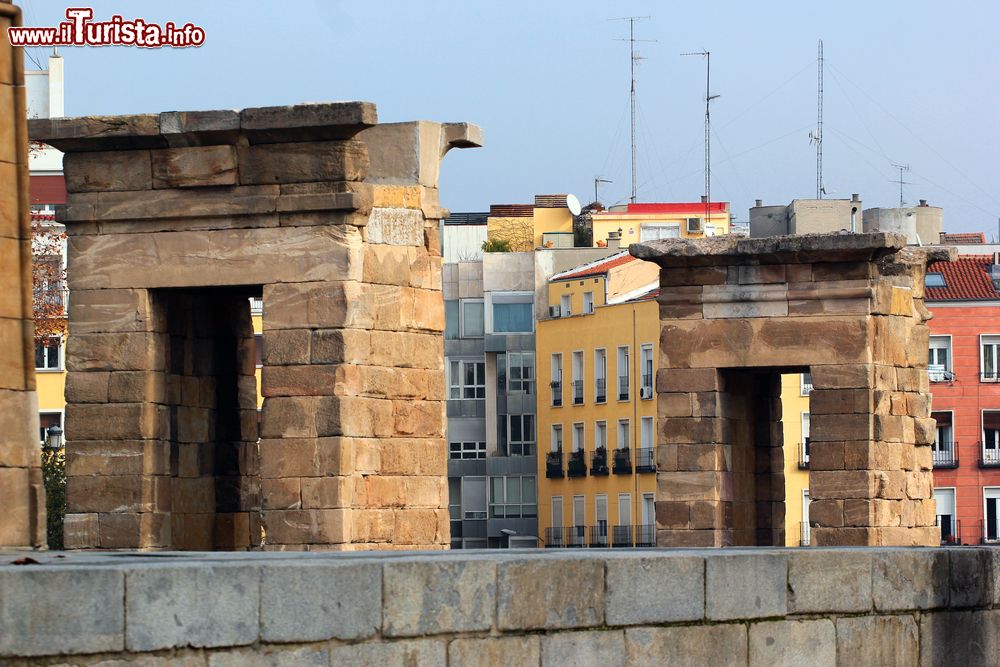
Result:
{"points": [[79, 30]]}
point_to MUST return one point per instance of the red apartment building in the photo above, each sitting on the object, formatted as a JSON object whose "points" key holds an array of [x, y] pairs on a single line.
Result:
{"points": [[964, 369]]}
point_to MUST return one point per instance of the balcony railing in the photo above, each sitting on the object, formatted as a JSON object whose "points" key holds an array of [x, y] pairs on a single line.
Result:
{"points": [[989, 457], [575, 536], [554, 465], [621, 462], [946, 455], [556, 386], [989, 534], [600, 390], [599, 535], [577, 464], [554, 538], [599, 461], [621, 536], [804, 448], [645, 459], [622, 387], [577, 392], [951, 529], [256, 305]]}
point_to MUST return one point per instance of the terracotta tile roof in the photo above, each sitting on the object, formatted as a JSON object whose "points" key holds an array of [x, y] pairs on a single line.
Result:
{"points": [[597, 268], [970, 238], [966, 279]]}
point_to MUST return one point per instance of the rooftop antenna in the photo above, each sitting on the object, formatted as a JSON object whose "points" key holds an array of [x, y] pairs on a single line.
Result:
{"points": [[902, 168], [634, 57], [817, 136], [708, 127], [597, 182]]}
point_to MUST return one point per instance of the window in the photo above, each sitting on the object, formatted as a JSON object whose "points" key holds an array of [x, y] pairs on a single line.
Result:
{"points": [[578, 378], [474, 498], [805, 384], [933, 279], [600, 376], [588, 302], [804, 451], [646, 365], [652, 232], [467, 379], [600, 536], [511, 312], [467, 450], [577, 437], [939, 359], [47, 420], [521, 369], [451, 319], [990, 356], [522, 435], [945, 501], [455, 509], [624, 436], [565, 305], [472, 318], [943, 448], [804, 526], [258, 349], [556, 383], [513, 497], [991, 438], [556, 437], [646, 432], [991, 514], [623, 373], [600, 434], [48, 354], [623, 531], [579, 522], [648, 509], [557, 512]]}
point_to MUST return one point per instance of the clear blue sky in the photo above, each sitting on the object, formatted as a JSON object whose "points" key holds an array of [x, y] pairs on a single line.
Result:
{"points": [[911, 81]]}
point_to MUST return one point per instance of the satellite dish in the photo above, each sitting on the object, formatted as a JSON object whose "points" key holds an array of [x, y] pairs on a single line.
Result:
{"points": [[573, 204]]}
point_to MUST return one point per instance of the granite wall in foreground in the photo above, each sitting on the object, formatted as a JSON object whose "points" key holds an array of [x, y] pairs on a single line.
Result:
{"points": [[820, 606]]}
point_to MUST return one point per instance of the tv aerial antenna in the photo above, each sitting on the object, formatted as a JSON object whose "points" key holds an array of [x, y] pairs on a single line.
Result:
{"points": [[634, 58], [708, 126]]}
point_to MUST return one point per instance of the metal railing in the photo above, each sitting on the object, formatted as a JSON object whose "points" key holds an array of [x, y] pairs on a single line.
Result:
{"points": [[989, 457], [645, 535], [647, 384], [601, 536], [623, 388], [645, 459], [599, 461], [621, 461], [577, 392], [554, 465], [575, 536], [946, 455], [556, 386], [804, 454], [577, 464], [554, 538], [951, 529], [600, 390]]}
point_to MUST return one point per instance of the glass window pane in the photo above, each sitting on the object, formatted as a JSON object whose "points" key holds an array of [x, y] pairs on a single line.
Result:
{"points": [[451, 319], [515, 428], [529, 428], [513, 490], [496, 489], [39, 355], [528, 490], [512, 317], [472, 319]]}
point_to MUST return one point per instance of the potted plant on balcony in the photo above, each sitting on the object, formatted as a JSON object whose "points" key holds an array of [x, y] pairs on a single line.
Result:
{"points": [[576, 466], [622, 462], [553, 464], [600, 466]]}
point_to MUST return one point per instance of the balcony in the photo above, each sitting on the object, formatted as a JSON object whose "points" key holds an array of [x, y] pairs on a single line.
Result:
{"points": [[951, 530], [599, 461], [989, 457], [554, 538], [556, 386], [623, 388], [599, 535], [601, 390], [945, 455], [577, 392], [621, 536], [645, 535], [804, 455], [577, 464], [554, 465], [622, 461], [575, 536], [645, 459]]}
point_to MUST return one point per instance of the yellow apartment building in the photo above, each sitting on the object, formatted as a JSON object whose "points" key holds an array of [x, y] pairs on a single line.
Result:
{"points": [[546, 223], [648, 222], [795, 430], [595, 357]]}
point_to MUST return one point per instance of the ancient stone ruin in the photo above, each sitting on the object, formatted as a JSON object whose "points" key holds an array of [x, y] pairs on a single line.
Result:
{"points": [[22, 495], [737, 313], [175, 220]]}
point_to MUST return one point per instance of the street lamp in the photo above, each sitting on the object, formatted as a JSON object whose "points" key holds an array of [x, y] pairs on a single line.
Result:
{"points": [[54, 437]]}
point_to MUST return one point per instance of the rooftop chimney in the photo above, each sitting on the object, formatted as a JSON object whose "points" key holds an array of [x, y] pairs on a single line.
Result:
{"points": [[704, 199], [923, 202], [855, 197], [759, 203], [614, 240]]}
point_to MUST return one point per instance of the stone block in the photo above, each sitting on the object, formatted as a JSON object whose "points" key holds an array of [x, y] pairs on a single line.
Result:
{"points": [[118, 493], [877, 640], [413, 456], [103, 171], [303, 162], [841, 376], [306, 457], [701, 275], [344, 600], [959, 637], [115, 352], [810, 574], [317, 526], [195, 166], [284, 493], [840, 427], [406, 350], [203, 605], [433, 597], [87, 387], [118, 457], [15, 494], [746, 586], [495, 651], [723, 645], [599, 647], [269, 656], [793, 643], [689, 485], [842, 484], [907, 580], [317, 305], [972, 578], [412, 653], [287, 346], [299, 122], [323, 492], [687, 380], [111, 311], [655, 590], [50, 610], [80, 531], [547, 594]]}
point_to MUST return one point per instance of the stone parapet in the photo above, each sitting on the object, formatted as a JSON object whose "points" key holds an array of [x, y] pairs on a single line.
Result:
{"points": [[175, 220], [735, 607]]}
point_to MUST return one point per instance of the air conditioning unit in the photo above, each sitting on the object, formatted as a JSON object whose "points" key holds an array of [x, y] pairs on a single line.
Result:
{"points": [[645, 392], [693, 225], [554, 311]]}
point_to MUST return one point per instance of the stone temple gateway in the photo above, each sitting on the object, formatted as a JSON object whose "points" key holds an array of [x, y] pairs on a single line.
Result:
{"points": [[175, 220], [737, 313]]}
